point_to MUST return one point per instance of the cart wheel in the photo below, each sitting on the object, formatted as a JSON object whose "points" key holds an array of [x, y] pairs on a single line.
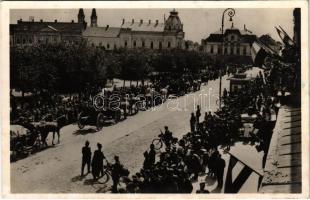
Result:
{"points": [[79, 121], [19, 149], [136, 109], [157, 143], [100, 121]]}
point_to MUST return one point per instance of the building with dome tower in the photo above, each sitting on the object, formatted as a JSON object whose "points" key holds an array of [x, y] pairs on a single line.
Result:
{"points": [[130, 34], [137, 33]]}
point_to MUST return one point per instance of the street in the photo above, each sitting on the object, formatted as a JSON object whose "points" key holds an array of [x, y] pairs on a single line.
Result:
{"points": [[57, 169]]}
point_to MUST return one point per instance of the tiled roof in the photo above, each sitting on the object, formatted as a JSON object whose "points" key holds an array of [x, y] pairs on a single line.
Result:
{"points": [[145, 26], [102, 32], [247, 36], [38, 26], [242, 32], [214, 38]]}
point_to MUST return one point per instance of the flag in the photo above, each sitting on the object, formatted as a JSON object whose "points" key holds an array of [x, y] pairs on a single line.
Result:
{"points": [[234, 182], [284, 37]]}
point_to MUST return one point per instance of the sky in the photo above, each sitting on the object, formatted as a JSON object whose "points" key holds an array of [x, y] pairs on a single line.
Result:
{"points": [[197, 23]]}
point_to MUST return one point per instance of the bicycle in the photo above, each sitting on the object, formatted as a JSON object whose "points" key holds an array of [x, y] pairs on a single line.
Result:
{"points": [[158, 142]]}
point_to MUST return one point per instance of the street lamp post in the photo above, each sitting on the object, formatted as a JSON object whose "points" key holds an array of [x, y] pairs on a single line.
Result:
{"points": [[230, 12]]}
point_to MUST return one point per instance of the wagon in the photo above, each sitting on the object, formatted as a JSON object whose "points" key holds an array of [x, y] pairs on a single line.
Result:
{"points": [[99, 117], [92, 118], [23, 141]]}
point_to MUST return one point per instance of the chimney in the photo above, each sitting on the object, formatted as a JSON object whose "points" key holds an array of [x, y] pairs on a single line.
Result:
{"points": [[19, 21], [141, 21], [123, 21], [72, 21], [149, 21], [31, 18], [232, 25], [244, 27], [156, 21], [55, 21], [107, 27], [41, 20], [133, 20]]}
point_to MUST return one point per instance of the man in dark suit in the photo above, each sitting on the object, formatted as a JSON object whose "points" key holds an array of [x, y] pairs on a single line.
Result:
{"points": [[86, 157]]}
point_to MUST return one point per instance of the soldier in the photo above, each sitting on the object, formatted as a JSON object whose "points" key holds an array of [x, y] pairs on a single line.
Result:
{"points": [[192, 122], [152, 154], [97, 163], [167, 137], [225, 93], [197, 115], [116, 173], [86, 158]]}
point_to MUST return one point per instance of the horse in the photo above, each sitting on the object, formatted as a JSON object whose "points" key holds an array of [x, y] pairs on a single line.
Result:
{"points": [[45, 127], [164, 93]]}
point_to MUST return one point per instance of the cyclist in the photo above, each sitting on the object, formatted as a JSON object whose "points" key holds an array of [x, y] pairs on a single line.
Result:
{"points": [[167, 137]]}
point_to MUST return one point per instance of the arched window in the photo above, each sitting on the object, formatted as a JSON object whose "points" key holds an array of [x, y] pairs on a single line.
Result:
{"points": [[134, 43], [108, 46], [232, 50], [169, 44], [18, 41], [152, 45], [143, 44], [125, 43], [114, 46], [211, 49]]}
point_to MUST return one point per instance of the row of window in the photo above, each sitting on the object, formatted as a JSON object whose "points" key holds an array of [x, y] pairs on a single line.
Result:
{"points": [[239, 51], [107, 45], [30, 40], [160, 45]]}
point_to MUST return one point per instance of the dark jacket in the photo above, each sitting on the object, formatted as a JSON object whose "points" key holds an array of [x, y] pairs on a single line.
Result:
{"points": [[86, 151]]}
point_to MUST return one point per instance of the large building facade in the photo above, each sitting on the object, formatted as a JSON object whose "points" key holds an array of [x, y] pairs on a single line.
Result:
{"points": [[137, 34], [31, 32], [130, 34], [233, 42]]}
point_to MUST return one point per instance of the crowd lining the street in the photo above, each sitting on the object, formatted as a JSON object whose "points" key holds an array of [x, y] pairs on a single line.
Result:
{"points": [[197, 152]]}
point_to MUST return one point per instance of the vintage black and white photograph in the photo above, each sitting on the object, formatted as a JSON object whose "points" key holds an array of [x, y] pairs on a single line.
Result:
{"points": [[155, 100]]}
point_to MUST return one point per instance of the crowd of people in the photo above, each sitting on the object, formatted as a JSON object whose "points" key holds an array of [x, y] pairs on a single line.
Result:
{"points": [[174, 168]]}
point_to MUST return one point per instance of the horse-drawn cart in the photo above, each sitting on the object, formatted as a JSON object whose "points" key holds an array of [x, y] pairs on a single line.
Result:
{"points": [[94, 118], [23, 141]]}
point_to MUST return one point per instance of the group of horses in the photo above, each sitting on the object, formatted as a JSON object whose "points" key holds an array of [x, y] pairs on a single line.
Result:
{"points": [[44, 127]]}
